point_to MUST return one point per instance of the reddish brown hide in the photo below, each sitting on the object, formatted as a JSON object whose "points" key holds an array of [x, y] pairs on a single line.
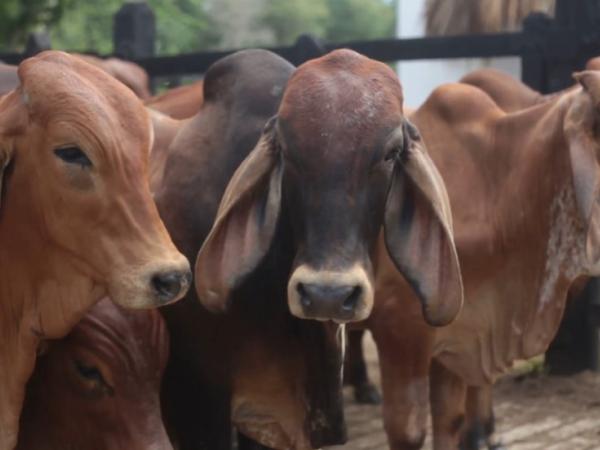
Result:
{"points": [[524, 189], [98, 388], [179, 103], [77, 220]]}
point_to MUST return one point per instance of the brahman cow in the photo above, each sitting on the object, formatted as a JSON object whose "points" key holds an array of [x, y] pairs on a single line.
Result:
{"points": [[524, 191], [274, 376], [179, 103], [77, 221], [338, 167], [127, 72], [98, 387]]}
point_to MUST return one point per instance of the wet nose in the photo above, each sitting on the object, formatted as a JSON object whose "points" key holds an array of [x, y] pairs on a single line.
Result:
{"points": [[329, 301], [169, 286]]}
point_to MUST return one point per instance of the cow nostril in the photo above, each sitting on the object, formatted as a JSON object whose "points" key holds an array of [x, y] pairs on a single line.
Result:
{"points": [[304, 297], [349, 304], [169, 284]]}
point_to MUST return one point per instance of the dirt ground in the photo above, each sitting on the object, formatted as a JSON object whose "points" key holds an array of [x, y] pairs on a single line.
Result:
{"points": [[534, 411]]}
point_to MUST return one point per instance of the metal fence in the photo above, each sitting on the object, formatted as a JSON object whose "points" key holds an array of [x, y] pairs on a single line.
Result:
{"points": [[550, 48]]}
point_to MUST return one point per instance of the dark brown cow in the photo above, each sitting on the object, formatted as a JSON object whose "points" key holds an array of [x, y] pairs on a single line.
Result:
{"points": [[179, 103], [301, 217], [98, 388], [212, 356], [77, 221], [524, 189]]}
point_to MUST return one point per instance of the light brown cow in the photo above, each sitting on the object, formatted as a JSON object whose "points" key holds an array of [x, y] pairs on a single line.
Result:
{"points": [[181, 102], [98, 388], [524, 192], [129, 73], [77, 221]]}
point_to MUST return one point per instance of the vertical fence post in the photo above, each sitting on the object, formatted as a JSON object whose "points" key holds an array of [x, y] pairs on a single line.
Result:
{"points": [[134, 31], [307, 47], [37, 42]]}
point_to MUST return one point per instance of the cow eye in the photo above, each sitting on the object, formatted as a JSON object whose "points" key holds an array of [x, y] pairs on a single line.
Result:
{"points": [[73, 155], [92, 378]]}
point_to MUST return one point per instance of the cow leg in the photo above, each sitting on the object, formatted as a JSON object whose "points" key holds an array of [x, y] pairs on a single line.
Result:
{"points": [[197, 414], [404, 363], [480, 423], [355, 371], [448, 398]]}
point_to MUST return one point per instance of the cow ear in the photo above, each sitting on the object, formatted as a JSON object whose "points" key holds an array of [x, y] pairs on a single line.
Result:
{"points": [[581, 126], [13, 120], [245, 225], [418, 231]]}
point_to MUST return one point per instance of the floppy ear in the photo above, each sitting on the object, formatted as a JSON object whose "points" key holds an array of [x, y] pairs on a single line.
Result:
{"points": [[245, 225], [13, 119], [418, 232], [581, 125]]}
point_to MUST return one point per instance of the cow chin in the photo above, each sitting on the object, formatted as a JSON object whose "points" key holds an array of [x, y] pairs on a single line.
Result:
{"points": [[341, 295], [151, 285]]}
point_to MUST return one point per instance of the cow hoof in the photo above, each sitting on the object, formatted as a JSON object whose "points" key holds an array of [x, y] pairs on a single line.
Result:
{"points": [[367, 394]]}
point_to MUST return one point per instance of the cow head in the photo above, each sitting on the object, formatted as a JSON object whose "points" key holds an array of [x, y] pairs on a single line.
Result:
{"points": [[99, 386], [74, 147], [338, 162]]}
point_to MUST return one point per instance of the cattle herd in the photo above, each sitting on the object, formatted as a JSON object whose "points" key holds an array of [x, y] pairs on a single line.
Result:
{"points": [[271, 212]]}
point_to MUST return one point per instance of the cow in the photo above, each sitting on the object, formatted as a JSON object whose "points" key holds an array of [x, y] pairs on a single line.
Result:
{"points": [[129, 73], [179, 103], [336, 171], [99, 386], [77, 220], [509, 93], [269, 374], [523, 187]]}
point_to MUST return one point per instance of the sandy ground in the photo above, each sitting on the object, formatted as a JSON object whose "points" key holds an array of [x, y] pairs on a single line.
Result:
{"points": [[533, 412]]}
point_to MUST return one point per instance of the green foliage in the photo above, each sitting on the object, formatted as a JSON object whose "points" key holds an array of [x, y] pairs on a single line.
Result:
{"points": [[181, 26], [359, 20], [19, 17], [332, 20], [192, 25], [288, 19]]}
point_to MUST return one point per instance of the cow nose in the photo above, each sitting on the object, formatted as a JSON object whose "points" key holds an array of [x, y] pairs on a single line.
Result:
{"points": [[169, 285], [323, 300]]}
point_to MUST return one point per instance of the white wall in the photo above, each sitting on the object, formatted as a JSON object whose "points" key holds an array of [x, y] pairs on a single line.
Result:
{"points": [[419, 78]]}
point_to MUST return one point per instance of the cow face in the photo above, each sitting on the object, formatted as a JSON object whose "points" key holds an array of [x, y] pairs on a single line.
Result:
{"points": [[98, 388], [339, 161], [74, 147]]}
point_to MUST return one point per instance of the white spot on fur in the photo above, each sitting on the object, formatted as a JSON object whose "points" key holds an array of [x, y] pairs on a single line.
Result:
{"points": [[565, 251]]}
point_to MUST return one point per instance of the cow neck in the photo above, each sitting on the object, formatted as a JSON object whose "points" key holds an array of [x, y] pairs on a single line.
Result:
{"points": [[32, 291], [540, 224], [516, 278]]}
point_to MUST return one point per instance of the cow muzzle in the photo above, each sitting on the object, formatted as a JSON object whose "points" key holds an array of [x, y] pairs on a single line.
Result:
{"points": [[341, 296], [153, 285]]}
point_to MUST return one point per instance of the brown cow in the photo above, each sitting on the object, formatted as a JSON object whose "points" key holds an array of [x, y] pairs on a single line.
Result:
{"points": [[129, 73], [179, 103], [98, 388], [524, 191], [77, 221], [301, 217]]}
